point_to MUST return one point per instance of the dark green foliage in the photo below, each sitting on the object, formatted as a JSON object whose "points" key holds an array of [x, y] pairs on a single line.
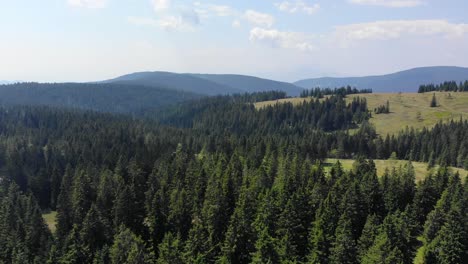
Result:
{"points": [[115, 98], [445, 230], [24, 236], [170, 250], [235, 115], [128, 248], [344, 249], [393, 244]]}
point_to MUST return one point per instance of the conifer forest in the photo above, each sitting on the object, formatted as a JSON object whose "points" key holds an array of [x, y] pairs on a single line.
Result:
{"points": [[216, 180]]}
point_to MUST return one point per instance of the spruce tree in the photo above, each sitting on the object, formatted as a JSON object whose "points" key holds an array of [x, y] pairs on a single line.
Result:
{"points": [[128, 248], [433, 101], [170, 250]]}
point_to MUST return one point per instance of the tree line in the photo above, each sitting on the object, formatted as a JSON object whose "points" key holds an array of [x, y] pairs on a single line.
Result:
{"points": [[451, 86], [343, 91]]}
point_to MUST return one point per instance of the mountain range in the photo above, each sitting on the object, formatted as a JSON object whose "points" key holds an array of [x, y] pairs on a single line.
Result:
{"points": [[403, 81], [216, 84]]}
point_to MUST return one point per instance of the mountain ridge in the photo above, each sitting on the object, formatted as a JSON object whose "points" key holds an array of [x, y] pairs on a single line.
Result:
{"points": [[207, 84], [401, 81]]}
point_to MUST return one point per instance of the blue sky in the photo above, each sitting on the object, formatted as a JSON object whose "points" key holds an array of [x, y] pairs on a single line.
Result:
{"points": [[86, 40]]}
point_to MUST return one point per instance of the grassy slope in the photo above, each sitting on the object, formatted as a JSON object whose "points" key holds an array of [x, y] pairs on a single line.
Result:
{"points": [[407, 110], [420, 168], [50, 220]]}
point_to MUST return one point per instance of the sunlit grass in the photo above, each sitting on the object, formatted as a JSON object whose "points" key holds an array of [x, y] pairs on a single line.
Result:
{"points": [[50, 220]]}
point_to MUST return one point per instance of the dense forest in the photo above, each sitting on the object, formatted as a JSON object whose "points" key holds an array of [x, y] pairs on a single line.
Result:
{"points": [[451, 86], [216, 180], [102, 97]]}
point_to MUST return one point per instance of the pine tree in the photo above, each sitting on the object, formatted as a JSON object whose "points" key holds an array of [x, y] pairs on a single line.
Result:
{"points": [[344, 247], [197, 246], [369, 233], [128, 248], [82, 196], [64, 207], [170, 250], [433, 101], [239, 242], [95, 232], [266, 245], [453, 242]]}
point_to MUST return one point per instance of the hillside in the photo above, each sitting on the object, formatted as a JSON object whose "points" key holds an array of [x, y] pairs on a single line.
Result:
{"points": [[175, 81], [207, 84], [116, 98], [403, 81], [251, 84], [407, 109]]}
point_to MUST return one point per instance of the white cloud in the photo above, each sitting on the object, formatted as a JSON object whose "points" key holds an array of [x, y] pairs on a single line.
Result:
{"points": [[210, 10], [385, 30], [236, 24], [288, 40], [161, 5], [168, 23], [259, 19], [298, 6], [389, 3], [221, 10], [93, 4]]}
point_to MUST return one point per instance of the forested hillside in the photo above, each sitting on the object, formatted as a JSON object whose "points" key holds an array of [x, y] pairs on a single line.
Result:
{"points": [[218, 181], [115, 98]]}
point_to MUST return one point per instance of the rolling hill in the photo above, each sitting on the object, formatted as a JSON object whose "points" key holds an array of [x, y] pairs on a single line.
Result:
{"points": [[251, 84], [206, 84], [403, 81], [175, 81]]}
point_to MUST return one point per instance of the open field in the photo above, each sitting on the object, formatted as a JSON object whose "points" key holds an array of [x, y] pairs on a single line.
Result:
{"points": [[50, 220], [407, 109], [420, 168]]}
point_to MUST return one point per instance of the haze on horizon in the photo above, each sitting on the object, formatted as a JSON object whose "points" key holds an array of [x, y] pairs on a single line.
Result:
{"points": [[87, 40]]}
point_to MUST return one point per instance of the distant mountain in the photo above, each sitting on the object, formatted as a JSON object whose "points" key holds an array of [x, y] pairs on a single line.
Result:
{"points": [[404, 81], [175, 81], [251, 84], [114, 98], [8, 82], [206, 84]]}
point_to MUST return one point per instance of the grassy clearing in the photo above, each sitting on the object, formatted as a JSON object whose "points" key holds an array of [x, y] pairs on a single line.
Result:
{"points": [[420, 168], [50, 220], [407, 109]]}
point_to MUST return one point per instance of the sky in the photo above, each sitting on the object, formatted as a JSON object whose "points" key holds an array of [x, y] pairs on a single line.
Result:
{"points": [[89, 40]]}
